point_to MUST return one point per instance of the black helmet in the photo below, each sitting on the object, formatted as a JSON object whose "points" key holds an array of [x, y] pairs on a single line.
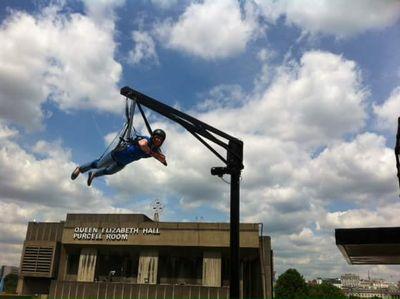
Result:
{"points": [[160, 133]]}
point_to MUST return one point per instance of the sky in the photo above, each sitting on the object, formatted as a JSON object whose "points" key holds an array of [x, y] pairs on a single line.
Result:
{"points": [[311, 87]]}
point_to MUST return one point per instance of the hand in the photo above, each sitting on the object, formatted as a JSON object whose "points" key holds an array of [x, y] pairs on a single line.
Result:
{"points": [[162, 159]]}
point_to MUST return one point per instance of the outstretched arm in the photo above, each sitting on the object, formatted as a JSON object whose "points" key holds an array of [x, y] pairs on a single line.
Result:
{"points": [[144, 146], [160, 157]]}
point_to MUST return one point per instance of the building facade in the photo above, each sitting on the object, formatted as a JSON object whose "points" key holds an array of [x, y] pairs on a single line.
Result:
{"points": [[5, 270], [131, 256], [350, 280]]}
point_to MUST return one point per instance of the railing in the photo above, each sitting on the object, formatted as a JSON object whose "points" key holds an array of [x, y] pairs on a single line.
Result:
{"points": [[116, 290]]}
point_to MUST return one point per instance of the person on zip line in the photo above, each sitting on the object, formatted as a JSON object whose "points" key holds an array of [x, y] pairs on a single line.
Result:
{"points": [[126, 152]]}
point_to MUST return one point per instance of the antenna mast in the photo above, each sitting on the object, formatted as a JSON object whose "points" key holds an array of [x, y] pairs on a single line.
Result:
{"points": [[158, 208]]}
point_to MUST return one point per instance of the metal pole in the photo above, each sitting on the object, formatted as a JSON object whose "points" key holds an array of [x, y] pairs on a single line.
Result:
{"points": [[234, 286], [397, 150], [234, 165]]}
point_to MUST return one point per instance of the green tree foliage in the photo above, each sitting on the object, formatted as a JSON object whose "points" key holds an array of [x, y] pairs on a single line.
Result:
{"points": [[10, 283], [291, 285], [325, 290]]}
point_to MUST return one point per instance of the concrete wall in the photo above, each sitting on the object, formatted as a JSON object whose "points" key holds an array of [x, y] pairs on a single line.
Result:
{"points": [[148, 267], [62, 266], [39, 235], [266, 262], [87, 264], [212, 238], [168, 233], [211, 269], [44, 231], [34, 285], [104, 290]]}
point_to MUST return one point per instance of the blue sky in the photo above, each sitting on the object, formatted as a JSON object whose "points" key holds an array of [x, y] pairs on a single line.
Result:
{"points": [[312, 88]]}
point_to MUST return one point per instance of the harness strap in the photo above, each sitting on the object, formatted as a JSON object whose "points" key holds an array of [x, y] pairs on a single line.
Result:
{"points": [[130, 119], [145, 120]]}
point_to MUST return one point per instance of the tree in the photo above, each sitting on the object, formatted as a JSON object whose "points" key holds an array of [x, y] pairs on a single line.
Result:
{"points": [[10, 283], [291, 284], [325, 290]]}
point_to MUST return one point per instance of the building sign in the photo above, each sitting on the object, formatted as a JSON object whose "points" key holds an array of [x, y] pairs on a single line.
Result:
{"points": [[111, 233]]}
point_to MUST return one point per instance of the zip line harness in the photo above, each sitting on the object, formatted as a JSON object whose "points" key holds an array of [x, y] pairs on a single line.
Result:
{"points": [[125, 135]]}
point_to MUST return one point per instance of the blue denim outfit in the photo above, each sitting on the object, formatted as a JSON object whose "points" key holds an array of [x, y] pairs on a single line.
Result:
{"points": [[116, 160], [106, 165]]}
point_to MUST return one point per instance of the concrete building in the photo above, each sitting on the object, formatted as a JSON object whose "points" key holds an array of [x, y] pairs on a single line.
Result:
{"points": [[131, 256], [5, 270], [350, 280]]}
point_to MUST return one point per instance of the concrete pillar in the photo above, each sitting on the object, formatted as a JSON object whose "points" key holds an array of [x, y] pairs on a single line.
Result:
{"points": [[148, 267], [266, 264], [211, 269], [62, 267], [20, 285], [87, 264]]}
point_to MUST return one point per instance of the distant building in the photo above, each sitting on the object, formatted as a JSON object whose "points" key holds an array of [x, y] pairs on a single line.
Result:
{"points": [[333, 281], [350, 280], [5, 270], [131, 256], [368, 288]]}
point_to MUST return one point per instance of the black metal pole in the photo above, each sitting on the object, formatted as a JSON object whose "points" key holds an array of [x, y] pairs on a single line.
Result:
{"points": [[234, 287], [235, 167], [397, 150]]}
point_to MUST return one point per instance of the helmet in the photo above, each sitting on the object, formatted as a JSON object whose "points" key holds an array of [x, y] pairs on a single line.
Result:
{"points": [[160, 133]]}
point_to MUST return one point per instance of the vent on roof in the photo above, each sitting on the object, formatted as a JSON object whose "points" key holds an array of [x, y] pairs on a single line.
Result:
{"points": [[37, 260]]}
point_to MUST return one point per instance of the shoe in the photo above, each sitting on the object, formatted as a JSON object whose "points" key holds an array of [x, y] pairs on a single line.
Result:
{"points": [[75, 173], [90, 178]]}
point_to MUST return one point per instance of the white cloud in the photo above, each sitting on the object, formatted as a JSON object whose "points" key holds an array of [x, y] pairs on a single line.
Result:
{"points": [[44, 180], [69, 57], [312, 103], [10, 254], [6, 132], [222, 96], [340, 17], [211, 29], [35, 184], [309, 104], [382, 216], [41, 175], [388, 112], [297, 161], [358, 171], [263, 79], [103, 11], [144, 48], [302, 238]]}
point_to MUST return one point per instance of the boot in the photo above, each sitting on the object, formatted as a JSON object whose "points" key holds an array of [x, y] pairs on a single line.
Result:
{"points": [[75, 173], [90, 178]]}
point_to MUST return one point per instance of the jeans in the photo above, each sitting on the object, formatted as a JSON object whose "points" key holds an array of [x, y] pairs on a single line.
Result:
{"points": [[106, 165]]}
